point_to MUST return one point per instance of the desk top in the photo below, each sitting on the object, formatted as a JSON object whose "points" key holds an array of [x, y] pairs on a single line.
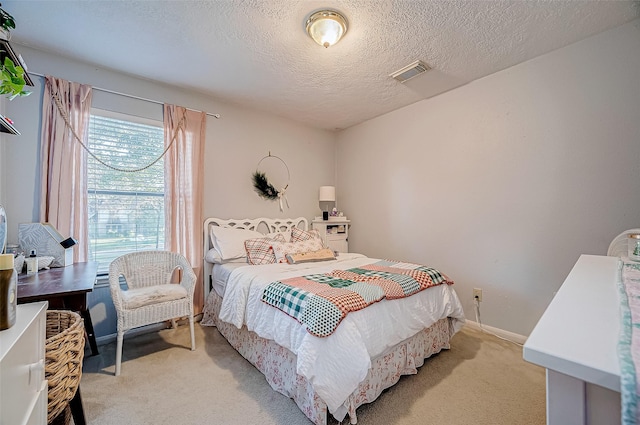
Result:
{"points": [[578, 333], [77, 278]]}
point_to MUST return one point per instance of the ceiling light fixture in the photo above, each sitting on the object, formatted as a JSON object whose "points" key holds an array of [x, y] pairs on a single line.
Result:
{"points": [[326, 27]]}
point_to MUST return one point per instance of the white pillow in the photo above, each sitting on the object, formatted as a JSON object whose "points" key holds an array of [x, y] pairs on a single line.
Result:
{"points": [[213, 256], [229, 242], [281, 249]]}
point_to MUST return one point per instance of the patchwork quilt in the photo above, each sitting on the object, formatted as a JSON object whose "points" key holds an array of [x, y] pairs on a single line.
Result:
{"points": [[320, 301]]}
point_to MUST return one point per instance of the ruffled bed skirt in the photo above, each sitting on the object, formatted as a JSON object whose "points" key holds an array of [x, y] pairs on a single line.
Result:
{"points": [[278, 364]]}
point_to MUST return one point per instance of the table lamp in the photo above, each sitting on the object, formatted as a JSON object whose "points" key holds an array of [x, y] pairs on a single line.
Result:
{"points": [[326, 196]]}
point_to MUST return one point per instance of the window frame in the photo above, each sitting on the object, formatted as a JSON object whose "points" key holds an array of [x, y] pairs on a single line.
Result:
{"points": [[129, 118]]}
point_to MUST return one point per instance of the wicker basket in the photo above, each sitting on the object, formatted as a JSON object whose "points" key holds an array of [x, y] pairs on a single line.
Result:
{"points": [[64, 418], [64, 351]]}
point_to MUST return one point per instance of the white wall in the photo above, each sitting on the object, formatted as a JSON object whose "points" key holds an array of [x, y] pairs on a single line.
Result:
{"points": [[235, 143], [504, 182]]}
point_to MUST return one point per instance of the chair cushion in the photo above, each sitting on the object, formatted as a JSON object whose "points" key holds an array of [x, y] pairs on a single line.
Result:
{"points": [[140, 297]]}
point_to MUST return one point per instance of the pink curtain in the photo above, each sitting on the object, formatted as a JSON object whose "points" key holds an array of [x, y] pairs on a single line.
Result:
{"points": [[63, 200], [184, 188]]}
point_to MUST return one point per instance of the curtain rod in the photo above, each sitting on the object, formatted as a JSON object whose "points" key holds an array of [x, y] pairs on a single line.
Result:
{"points": [[216, 116]]}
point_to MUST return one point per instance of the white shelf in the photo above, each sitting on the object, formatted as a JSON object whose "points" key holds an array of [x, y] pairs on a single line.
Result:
{"points": [[7, 51], [7, 127]]}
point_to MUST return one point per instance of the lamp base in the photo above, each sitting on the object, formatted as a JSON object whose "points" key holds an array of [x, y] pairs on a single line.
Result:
{"points": [[325, 215]]}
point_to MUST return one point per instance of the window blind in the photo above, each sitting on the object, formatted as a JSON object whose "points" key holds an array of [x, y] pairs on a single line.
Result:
{"points": [[126, 209]]}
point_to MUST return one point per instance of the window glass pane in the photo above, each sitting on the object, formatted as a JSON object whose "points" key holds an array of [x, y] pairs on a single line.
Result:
{"points": [[126, 209]]}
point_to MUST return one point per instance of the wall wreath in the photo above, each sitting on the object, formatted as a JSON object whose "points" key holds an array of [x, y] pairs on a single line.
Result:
{"points": [[267, 190]]}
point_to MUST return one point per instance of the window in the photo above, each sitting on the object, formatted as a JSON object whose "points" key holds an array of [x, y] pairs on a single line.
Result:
{"points": [[126, 209]]}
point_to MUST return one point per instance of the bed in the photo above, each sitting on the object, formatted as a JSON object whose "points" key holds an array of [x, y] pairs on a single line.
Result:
{"points": [[334, 373]]}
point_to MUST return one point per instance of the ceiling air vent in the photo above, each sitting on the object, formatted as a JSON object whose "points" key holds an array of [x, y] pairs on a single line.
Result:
{"points": [[410, 71]]}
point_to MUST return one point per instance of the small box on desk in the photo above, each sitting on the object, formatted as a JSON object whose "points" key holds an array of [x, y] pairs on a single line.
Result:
{"points": [[46, 240]]}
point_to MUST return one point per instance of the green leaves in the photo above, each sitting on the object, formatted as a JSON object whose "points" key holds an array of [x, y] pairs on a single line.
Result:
{"points": [[6, 21], [11, 76], [12, 79]]}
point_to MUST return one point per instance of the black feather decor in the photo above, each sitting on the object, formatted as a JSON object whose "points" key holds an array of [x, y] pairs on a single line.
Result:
{"points": [[263, 188]]}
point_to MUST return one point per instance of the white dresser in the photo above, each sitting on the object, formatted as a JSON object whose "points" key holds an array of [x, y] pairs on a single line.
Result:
{"points": [[576, 341], [334, 233], [23, 388]]}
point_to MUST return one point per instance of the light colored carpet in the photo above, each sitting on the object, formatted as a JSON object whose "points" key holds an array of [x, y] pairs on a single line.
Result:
{"points": [[481, 380]]}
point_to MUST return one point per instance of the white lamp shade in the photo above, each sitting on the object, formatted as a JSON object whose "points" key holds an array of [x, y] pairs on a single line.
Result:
{"points": [[327, 194]]}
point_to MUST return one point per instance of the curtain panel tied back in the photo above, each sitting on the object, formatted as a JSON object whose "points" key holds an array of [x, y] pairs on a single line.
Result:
{"points": [[184, 188], [63, 191]]}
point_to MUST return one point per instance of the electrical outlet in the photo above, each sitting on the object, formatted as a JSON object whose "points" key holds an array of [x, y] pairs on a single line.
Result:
{"points": [[477, 293]]}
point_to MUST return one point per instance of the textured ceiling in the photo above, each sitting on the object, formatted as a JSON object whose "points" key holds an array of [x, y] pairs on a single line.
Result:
{"points": [[256, 53]]}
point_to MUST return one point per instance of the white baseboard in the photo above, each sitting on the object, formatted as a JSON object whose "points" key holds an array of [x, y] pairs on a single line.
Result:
{"points": [[106, 339], [520, 339]]}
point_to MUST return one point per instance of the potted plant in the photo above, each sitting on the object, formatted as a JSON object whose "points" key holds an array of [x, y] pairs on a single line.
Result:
{"points": [[7, 23], [11, 76], [12, 80]]}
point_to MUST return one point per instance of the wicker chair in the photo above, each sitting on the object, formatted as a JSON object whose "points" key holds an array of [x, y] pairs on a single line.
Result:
{"points": [[150, 297], [618, 246]]}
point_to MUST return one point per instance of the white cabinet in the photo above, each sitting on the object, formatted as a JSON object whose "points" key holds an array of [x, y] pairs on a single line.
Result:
{"points": [[576, 340], [23, 388], [334, 233]]}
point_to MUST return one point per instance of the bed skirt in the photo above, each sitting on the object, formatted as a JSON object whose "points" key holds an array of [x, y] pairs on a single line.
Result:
{"points": [[278, 364]]}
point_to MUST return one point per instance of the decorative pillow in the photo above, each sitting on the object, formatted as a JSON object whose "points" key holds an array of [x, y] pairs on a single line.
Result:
{"points": [[286, 234], [282, 249], [229, 242], [324, 254], [299, 235], [260, 250]]}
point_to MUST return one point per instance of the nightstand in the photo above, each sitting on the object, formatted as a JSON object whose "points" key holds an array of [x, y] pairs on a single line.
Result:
{"points": [[334, 233]]}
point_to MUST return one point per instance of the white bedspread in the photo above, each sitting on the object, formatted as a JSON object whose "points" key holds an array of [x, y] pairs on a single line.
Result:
{"points": [[334, 365]]}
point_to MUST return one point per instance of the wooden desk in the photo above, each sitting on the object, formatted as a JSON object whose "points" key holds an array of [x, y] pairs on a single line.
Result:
{"points": [[64, 288]]}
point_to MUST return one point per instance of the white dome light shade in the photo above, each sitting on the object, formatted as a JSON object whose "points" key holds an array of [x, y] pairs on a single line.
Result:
{"points": [[326, 27]]}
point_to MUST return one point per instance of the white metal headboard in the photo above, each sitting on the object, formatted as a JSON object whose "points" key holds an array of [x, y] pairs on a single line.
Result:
{"points": [[262, 225]]}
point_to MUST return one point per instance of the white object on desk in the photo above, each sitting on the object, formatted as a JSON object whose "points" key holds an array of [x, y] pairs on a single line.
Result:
{"points": [[334, 233], [576, 341], [46, 240], [23, 388]]}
